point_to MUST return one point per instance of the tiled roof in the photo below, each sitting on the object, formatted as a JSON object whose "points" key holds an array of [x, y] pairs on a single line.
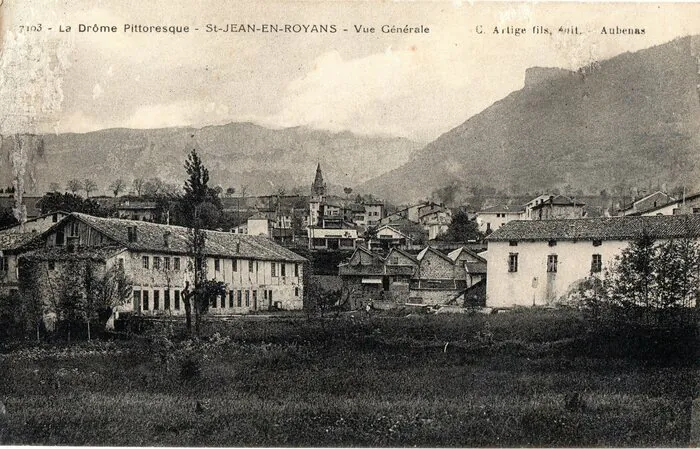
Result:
{"points": [[62, 253], [559, 200], [476, 267], [603, 228], [150, 237], [502, 208], [13, 241]]}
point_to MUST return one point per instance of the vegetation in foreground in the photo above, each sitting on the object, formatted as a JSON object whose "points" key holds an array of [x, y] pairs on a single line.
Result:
{"points": [[538, 377]]}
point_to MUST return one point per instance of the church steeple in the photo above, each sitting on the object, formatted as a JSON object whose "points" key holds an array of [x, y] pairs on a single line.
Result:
{"points": [[318, 188]]}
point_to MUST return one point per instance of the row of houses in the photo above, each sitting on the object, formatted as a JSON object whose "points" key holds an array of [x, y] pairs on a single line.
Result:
{"points": [[431, 277]]}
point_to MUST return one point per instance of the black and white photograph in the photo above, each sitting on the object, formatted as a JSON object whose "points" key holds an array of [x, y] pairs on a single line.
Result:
{"points": [[354, 223]]}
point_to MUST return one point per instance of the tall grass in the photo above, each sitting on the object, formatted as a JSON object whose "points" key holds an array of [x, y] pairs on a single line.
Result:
{"points": [[501, 380]]}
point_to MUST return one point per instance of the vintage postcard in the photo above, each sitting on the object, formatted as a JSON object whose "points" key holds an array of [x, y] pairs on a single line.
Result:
{"points": [[349, 223]]}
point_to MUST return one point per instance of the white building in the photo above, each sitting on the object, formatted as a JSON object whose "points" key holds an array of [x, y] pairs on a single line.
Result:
{"points": [[540, 262], [492, 218], [258, 273]]}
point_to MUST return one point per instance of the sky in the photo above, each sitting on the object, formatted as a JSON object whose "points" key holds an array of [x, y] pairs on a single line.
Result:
{"points": [[411, 85]]}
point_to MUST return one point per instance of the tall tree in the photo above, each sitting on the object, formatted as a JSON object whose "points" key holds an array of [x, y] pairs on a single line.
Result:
{"points": [[74, 186], [117, 186], [462, 229], [89, 186]]}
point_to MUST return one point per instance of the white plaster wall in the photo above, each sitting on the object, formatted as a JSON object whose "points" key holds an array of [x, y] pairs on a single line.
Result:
{"points": [[505, 289]]}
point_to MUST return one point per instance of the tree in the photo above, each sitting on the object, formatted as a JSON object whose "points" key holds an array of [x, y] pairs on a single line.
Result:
{"points": [[138, 185], [54, 187], [631, 281], [68, 202], [74, 186], [462, 229], [230, 191], [347, 191], [198, 205], [117, 186], [89, 186]]}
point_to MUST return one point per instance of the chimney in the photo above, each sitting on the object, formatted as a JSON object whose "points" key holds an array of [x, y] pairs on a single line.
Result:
{"points": [[166, 239]]}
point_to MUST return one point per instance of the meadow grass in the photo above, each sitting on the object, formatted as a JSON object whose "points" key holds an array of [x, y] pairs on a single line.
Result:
{"points": [[499, 380]]}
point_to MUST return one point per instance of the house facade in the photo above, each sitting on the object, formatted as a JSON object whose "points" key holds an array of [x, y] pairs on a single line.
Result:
{"points": [[557, 207], [541, 262], [258, 273], [37, 224], [492, 218], [648, 202]]}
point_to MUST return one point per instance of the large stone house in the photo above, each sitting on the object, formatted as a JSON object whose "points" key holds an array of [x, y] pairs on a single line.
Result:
{"points": [[648, 202], [258, 273], [36, 224], [540, 262], [557, 206], [492, 218]]}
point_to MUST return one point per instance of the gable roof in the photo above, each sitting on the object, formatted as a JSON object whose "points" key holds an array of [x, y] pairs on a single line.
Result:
{"points": [[225, 244], [402, 252], [454, 255], [421, 255], [634, 203], [670, 203], [602, 228], [558, 200]]}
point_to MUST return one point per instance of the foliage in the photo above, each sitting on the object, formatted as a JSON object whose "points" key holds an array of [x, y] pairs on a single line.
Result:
{"points": [[462, 229], [117, 186], [645, 281], [7, 219], [89, 186], [200, 202], [69, 202], [74, 185]]}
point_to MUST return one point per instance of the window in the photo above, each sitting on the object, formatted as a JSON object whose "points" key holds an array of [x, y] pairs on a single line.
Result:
{"points": [[217, 264], [54, 218], [223, 301], [273, 270], [255, 300], [552, 243], [176, 263], [212, 302], [552, 263], [156, 263], [234, 263], [596, 263], [296, 291], [177, 299], [52, 265], [60, 237], [239, 298], [137, 300], [296, 268], [597, 243], [230, 298], [251, 266], [166, 299], [513, 243], [145, 299], [120, 263], [283, 269], [145, 262], [166, 263], [247, 298], [513, 262], [156, 299]]}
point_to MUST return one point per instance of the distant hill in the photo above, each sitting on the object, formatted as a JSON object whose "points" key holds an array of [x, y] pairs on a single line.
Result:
{"points": [[633, 119], [236, 154]]}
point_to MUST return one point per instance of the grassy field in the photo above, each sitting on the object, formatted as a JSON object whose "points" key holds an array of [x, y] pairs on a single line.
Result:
{"points": [[541, 378]]}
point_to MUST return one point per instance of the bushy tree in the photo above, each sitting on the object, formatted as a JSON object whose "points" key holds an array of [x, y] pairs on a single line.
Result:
{"points": [[632, 279], [68, 202], [462, 229]]}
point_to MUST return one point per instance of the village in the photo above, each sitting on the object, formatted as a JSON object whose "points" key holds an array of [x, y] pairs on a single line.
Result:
{"points": [[360, 253]]}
